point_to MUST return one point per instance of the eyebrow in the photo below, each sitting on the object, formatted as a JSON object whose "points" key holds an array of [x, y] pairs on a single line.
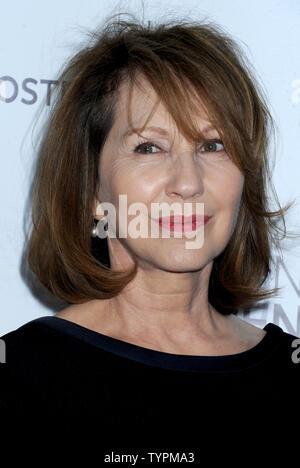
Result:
{"points": [[162, 131]]}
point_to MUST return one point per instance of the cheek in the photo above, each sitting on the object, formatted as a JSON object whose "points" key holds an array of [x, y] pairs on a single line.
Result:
{"points": [[228, 199], [131, 197], [228, 189], [139, 186]]}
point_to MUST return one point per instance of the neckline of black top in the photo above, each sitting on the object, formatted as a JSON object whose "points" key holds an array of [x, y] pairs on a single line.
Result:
{"points": [[224, 363]]}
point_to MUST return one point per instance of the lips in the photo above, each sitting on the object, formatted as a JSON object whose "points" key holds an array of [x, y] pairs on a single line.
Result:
{"points": [[181, 223]]}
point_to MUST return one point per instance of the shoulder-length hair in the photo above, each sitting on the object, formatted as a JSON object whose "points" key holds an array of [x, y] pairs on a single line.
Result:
{"points": [[187, 63]]}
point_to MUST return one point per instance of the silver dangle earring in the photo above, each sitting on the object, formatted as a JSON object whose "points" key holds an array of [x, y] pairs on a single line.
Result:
{"points": [[102, 223], [94, 232]]}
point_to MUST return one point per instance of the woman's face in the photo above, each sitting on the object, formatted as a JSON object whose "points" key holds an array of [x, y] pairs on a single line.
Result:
{"points": [[166, 170]]}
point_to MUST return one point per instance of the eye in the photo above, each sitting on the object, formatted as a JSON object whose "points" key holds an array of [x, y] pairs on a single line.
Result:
{"points": [[213, 146], [146, 148]]}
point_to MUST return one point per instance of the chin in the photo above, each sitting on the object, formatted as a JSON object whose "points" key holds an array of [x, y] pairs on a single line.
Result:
{"points": [[182, 262]]}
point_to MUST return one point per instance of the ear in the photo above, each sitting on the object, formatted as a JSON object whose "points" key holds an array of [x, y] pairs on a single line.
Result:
{"points": [[98, 212]]}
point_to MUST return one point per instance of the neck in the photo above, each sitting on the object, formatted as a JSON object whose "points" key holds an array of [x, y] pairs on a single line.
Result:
{"points": [[164, 307]]}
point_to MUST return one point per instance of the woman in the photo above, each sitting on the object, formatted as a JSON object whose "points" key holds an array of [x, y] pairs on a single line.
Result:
{"points": [[149, 346]]}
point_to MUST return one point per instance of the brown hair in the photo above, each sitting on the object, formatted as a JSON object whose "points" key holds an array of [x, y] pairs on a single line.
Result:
{"points": [[186, 62]]}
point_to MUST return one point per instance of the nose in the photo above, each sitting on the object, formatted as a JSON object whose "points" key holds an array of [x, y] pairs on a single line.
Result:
{"points": [[185, 177]]}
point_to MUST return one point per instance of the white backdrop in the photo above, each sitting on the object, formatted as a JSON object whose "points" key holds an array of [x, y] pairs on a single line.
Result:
{"points": [[35, 40]]}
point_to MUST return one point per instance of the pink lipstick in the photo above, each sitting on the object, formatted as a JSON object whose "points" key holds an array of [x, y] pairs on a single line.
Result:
{"points": [[180, 223]]}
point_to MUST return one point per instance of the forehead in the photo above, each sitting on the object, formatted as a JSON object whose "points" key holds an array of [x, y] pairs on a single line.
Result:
{"points": [[138, 105], [139, 99]]}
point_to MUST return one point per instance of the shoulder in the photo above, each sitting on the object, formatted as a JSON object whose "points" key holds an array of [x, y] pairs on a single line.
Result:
{"points": [[46, 367], [39, 350], [28, 340], [283, 347], [290, 345], [286, 354], [35, 357], [44, 349]]}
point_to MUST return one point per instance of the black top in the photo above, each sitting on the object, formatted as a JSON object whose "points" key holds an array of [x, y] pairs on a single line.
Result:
{"points": [[178, 362], [79, 383]]}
